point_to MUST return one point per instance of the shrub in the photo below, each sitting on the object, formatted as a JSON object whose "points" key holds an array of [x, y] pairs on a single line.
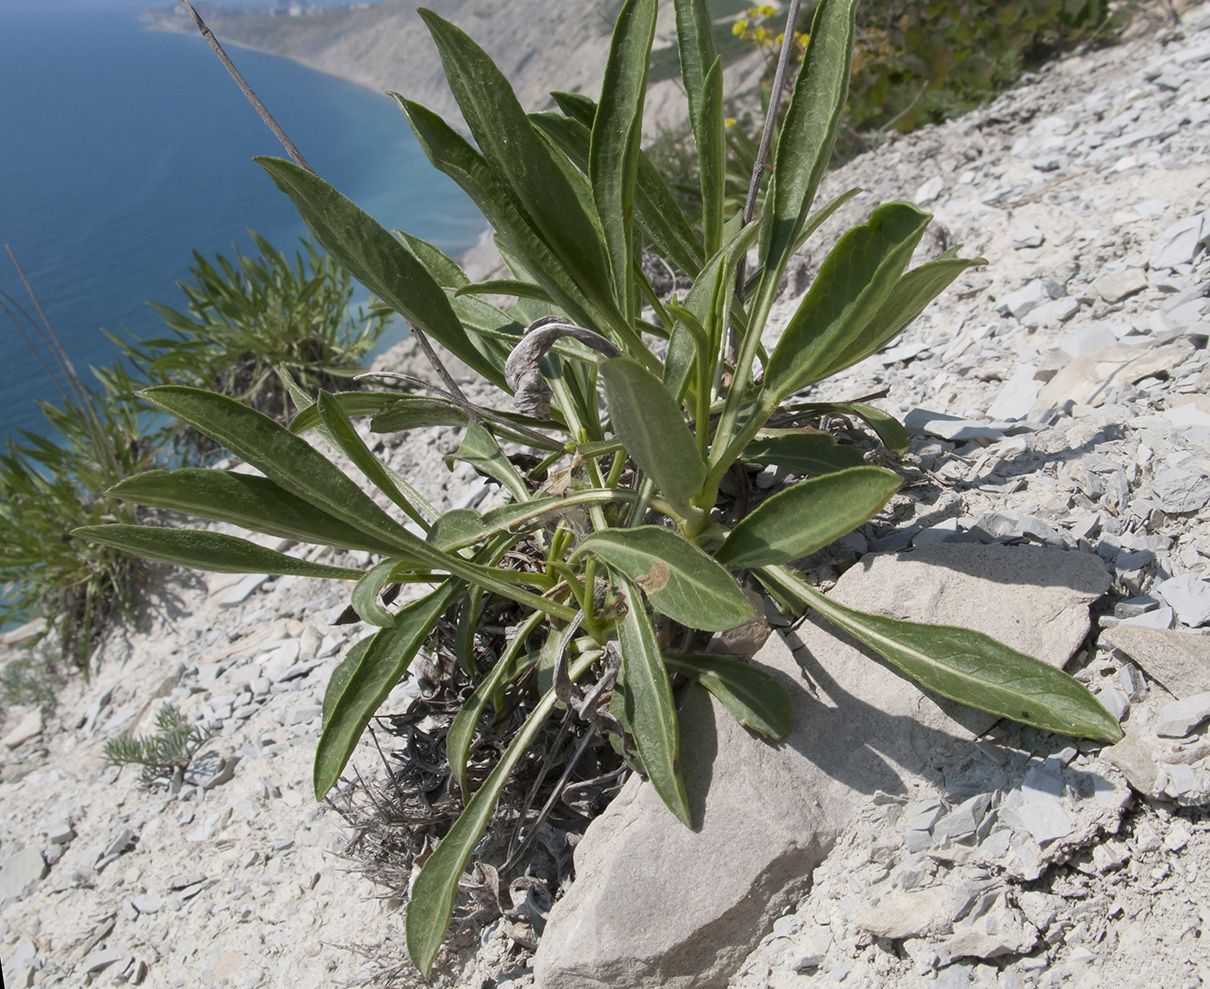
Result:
{"points": [[615, 542], [48, 488], [249, 316]]}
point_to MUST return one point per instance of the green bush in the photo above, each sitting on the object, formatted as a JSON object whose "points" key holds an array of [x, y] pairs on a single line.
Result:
{"points": [[248, 317], [924, 62], [49, 487], [615, 542], [248, 322]]}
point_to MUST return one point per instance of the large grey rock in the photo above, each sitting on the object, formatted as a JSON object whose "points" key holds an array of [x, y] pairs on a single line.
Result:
{"points": [[1178, 661], [20, 872], [1090, 378], [30, 726], [658, 904]]}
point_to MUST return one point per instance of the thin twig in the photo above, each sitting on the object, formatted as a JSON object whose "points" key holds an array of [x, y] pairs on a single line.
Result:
{"points": [[91, 419], [758, 170], [766, 136], [904, 112], [257, 105]]}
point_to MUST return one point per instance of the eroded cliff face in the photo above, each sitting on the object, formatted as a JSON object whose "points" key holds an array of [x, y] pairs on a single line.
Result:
{"points": [[540, 45]]}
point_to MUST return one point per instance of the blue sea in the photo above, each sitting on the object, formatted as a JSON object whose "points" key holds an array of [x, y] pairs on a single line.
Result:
{"points": [[122, 150]]}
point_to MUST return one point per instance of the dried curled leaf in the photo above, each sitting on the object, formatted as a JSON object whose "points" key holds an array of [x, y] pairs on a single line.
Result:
{"points": [[531, 394]]}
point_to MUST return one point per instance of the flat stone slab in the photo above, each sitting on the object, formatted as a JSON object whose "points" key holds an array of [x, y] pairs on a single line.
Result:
{"points": [[765, 815]]}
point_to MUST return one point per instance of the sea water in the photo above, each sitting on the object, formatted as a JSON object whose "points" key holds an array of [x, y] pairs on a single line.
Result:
{"points": [[122, 150]]}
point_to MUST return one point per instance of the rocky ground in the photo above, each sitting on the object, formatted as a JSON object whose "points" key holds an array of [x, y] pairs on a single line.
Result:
{"points": [[1056, 397]]}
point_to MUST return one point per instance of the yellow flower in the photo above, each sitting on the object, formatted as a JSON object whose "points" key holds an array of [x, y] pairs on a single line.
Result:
{"points": [[730, 121], [766, 10], [739, 27]]}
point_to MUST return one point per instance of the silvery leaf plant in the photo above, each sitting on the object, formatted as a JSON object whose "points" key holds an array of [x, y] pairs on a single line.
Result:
{"points": [[640, 407]]}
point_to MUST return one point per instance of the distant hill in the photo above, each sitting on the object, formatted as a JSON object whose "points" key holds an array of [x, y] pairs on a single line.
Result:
{"points": [[541, 45]]}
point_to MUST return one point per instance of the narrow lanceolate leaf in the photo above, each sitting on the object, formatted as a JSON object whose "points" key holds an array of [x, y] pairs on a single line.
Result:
{"points": [[342, 674], [679, 579], [802, 453], [452, 154], [366, 595], [617, 128], [649, 711], [480, 449], [507, 286], [462, 729], [302, 470], [648, 420], [521, 159], [712, 156], [656, 212], [695, 43], [433, 892], [355, 403], [969, 667], [213, 552], [908, 299], [382, 665], [245, 500], [340, 428], [808, 133], [376, 259], [889, 429], [853, 283], [281, 456], [807, 516], [441, 266], [756, 699]]}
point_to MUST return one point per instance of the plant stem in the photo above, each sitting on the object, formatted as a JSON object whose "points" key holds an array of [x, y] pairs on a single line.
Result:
{"points": [[257, 105]]}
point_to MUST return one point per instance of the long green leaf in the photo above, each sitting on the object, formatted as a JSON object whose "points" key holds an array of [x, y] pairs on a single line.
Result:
{"points": [[245, 500], [433, 892], [755, 698], [214, 552], [355, 403], [853, 283], [342, 674], [907, 300], [452, 154], [805, 141], [299, 468], [650, 713], [803, 453], [480, 449], [889, 429], [965, 666], [712, 156], [521, 159], [340, 428], [281, 456], [679, 579], [649, 421], [382, 665], [507, 286], [656, 211], [807, 516], [462, 729], [376, 259], [616, 133], [695, 44]]}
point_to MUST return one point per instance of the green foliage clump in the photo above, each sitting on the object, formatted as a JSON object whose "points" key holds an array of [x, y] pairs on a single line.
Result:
{"points": [[50, 487], [923, 62], [165, 755], [616, 547], [248, 322], [248, 317]]}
